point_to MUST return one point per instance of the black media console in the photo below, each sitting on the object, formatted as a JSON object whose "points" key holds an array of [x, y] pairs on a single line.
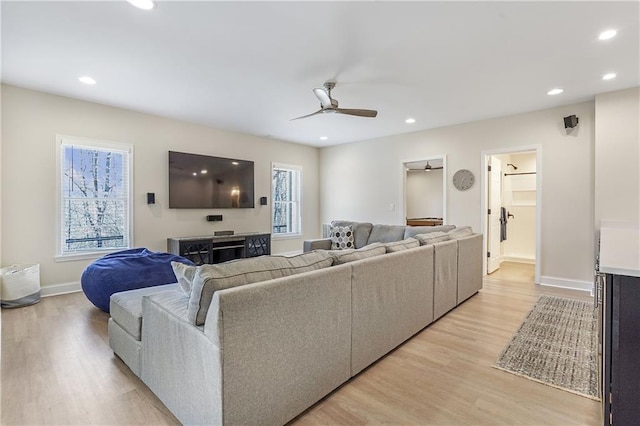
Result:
{"points": [[216, 249]]}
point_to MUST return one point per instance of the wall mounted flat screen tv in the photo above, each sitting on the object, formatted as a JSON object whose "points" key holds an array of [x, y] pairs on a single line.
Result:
{"points": [[206, 182]]}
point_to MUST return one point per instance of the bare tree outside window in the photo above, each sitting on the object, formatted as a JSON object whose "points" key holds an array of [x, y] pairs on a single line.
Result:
{"points": [[95, 199]]}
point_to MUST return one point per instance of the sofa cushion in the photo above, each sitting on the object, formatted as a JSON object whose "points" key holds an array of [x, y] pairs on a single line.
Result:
{"points": [[412, 231], [432, 238], [401, 245], [361, 230], [461, 232], [342, 237], [386, 233], [345, 256], [184, 274], [211, 278], [126, 307]]}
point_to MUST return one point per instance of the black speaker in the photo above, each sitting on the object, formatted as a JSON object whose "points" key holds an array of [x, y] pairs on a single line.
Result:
{"points": [[214, 218], [263, 201], [570, 121], [151, 198]]}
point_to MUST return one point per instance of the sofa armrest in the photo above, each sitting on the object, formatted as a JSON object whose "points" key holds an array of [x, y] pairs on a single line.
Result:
{"points": [[317, 244], [469, 266]]}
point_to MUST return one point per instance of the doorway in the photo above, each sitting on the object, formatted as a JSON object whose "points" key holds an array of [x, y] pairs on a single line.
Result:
{"points": [[424, 188], [511, 210]]}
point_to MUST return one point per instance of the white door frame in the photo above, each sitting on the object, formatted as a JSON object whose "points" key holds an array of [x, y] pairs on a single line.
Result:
{"points": [[484, 190], [402, 218]]}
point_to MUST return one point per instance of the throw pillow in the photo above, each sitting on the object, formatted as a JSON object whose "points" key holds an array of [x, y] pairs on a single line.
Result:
{"points": [[401, 245], [341, 237], [461, 232], [184, 274], [211, 278], [432, 238], [345, 256]]}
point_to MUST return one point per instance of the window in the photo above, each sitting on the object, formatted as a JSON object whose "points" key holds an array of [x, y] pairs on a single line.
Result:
{"points": [[94, 195], [286, 195]]}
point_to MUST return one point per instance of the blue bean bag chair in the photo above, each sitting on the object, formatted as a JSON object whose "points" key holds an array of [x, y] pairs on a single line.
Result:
{"points": [[127, 270]]}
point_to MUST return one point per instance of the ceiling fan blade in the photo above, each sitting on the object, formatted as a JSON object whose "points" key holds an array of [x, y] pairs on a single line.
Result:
{"points": [[320, 111], [323, 97], [357, 112]]}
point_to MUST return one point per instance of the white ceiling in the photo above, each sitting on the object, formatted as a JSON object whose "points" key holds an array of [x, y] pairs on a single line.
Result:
{"points": [[251, 66]]}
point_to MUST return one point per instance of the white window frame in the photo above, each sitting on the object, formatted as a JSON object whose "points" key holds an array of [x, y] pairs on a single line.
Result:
{"points": [[298, 232], [62, 140]]}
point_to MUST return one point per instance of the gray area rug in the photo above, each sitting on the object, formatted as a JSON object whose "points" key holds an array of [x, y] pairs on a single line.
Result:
{"points": [[556, 345]]}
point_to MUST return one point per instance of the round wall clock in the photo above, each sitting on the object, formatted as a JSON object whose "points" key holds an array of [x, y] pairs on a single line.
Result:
{"points": [[463, 179]]}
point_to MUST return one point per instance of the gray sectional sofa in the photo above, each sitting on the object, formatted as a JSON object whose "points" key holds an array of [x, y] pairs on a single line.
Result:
{"points": [[258, 341]]}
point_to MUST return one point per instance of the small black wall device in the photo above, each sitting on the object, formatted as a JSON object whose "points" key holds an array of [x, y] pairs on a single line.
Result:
{"points": [[214, 218], [151, 198], [263, 201], [570, 122]]}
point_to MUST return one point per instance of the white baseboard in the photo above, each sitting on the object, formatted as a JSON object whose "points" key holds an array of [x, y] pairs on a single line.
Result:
{"points": [[565, 283], [517, 259], [58, 289]]}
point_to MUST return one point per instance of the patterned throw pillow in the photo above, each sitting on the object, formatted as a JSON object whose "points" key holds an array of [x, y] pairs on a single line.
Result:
{"points": [[341, 237]]}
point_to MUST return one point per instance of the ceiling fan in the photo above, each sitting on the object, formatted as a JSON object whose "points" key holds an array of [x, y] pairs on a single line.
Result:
{"points": [[426, 168], [328, 105]]}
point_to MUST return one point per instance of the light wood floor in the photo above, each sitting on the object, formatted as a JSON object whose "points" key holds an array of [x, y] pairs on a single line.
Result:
{"points": [[57, 368]]}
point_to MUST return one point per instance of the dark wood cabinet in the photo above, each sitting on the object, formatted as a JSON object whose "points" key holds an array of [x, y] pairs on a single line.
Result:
{"points": [[217, 249], [621, 348]]}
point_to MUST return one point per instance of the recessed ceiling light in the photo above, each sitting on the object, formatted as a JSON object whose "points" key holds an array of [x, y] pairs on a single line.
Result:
{"points": [[324, 138], [555, 91], [410, 120], [86, 80], [235, 163], [606, 35], [609, 76], [143, 4], [203, 171], [195, 174]]}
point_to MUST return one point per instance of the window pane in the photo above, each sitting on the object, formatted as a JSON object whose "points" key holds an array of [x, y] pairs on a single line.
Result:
{"points": [[286, 196], [93, 173], [94, 224], [95, 198]]}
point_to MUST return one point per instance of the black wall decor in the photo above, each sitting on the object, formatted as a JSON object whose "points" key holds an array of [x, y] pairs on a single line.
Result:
{"points": [[570, 121]]}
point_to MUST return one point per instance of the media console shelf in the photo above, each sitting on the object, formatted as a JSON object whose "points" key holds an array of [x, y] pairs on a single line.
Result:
{"points": [[217, 249]]}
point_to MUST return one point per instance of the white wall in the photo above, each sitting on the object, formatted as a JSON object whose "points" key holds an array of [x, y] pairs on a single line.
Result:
{"points": [[30, 122], [617, 165], [424, 194], [359, 181]]}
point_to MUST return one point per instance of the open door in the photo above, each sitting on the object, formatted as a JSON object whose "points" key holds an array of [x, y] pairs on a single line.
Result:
{"points": [[494, 249]]}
